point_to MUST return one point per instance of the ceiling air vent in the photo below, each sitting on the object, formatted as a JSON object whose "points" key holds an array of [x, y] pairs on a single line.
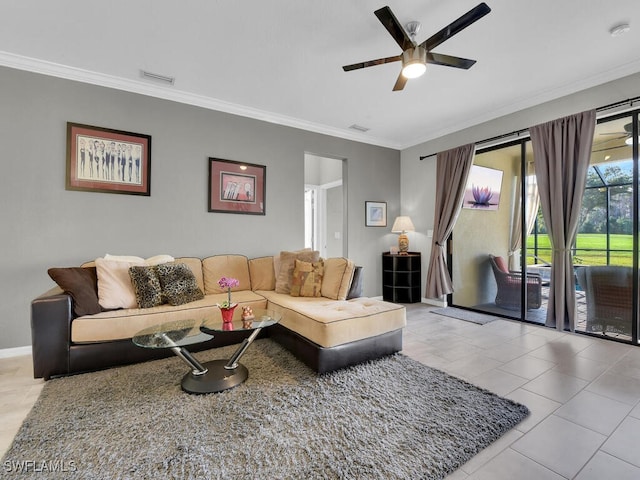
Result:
{"points": [[157, 77], [359, 128]]}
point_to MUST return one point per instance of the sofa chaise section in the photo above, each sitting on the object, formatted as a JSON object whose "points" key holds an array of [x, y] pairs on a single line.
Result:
{"points": [[329, 334]]}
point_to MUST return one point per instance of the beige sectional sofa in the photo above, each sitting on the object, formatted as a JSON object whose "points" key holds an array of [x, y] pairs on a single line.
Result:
{"points": [[327, 332]]}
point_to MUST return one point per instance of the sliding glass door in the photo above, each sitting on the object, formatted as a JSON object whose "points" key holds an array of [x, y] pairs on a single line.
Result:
{"points": [[500, 253], [604, 250], [488, 251]]}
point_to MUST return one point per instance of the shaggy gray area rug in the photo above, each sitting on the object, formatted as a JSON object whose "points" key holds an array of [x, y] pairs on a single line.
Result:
{"points": [[466, 315], [392, 418]]}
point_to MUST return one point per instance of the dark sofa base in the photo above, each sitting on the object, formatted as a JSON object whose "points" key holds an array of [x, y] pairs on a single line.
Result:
{"points": [[54, 355], [324, 360], [97, 356]]}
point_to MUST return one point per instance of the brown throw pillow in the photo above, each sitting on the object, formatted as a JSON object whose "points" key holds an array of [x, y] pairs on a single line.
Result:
{"points": [[307, 279], [82, 284]]}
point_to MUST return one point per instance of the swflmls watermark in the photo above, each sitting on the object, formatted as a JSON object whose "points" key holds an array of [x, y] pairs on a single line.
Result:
{"points": [[39, 466]]}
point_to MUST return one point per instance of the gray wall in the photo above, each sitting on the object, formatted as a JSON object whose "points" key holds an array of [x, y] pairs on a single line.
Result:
{"points": [[418, 177], [45, 225]]}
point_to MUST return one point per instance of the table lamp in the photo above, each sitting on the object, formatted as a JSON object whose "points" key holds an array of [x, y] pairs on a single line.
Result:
{"points": [[402, 225]]}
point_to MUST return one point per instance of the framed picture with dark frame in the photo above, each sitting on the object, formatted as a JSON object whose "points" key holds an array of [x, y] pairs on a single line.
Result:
{"points": [[108, 161], [375, 214], [236, 187]]}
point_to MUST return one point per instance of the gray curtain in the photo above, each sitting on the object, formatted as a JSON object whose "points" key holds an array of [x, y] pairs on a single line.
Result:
{"points": [[452, 171], [562, 150]]}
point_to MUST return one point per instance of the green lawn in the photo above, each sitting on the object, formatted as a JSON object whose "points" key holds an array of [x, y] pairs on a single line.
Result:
{"points": [[586, 242]]}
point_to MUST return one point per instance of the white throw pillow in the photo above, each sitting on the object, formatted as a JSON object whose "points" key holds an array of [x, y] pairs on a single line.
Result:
{"points": [[115, 289], [123, 258], [159, 259], [155, 260]]}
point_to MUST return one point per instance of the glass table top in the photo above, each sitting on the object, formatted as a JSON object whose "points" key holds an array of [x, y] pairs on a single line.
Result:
{"points": [[262, 318], [178, 333], [181, 333]]}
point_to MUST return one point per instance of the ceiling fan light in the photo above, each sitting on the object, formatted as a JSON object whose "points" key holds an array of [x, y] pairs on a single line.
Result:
{"points": [[629, 141], [414, 62]]}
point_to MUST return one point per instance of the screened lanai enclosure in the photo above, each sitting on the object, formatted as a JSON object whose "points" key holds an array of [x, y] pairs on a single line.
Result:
{"points": [[501, 255]]}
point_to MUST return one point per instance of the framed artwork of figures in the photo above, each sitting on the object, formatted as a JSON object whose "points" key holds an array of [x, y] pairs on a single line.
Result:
{"points": [[107, 160], [236, 187]]}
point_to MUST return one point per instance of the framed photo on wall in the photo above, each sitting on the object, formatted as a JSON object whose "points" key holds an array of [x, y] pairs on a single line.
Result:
{"points": [[108, 161], [482, 191], [375, 214], [236, 187]]}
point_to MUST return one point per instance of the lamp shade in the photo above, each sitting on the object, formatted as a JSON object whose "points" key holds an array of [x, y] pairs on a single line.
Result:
{"points": [[403, 224]]}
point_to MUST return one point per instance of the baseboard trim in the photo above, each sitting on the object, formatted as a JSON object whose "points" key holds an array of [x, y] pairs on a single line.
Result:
{"points": [[15, 351], [434, 302]]}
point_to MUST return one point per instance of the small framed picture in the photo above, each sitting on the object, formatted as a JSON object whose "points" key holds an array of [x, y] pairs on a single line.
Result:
{"points": [[107, 160], [236, 187], [375, 214]]}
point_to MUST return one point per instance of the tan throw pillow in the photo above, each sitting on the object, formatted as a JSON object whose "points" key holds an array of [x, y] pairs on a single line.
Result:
{"points": [[276, 260], [307, 279], [115, 289], [287, 264], [338, 273]]}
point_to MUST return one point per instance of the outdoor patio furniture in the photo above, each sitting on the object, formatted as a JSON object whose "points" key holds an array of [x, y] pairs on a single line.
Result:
{"points": [[609, 295], [510, 286]]}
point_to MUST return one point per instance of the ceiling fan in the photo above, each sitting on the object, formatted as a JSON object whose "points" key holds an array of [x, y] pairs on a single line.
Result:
{"points": [[415, 57], [627, 134]]}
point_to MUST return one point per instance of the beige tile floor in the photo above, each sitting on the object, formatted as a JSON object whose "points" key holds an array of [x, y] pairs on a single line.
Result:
{"points": [[583, 393]]}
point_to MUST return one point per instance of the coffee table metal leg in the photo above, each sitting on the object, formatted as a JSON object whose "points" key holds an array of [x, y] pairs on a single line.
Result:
{"points": [[184, 354], [233, 361]]}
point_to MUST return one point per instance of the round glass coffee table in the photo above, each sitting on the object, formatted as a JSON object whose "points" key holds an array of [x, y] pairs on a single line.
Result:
{"points": [[214, 376]]}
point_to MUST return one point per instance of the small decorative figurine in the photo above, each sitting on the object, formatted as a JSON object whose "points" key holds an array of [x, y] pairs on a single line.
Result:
{"points": [[247, 317]]}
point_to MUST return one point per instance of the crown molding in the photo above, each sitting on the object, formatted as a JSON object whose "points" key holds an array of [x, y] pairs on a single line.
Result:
{"points": [[535, 100], [140, 87]]}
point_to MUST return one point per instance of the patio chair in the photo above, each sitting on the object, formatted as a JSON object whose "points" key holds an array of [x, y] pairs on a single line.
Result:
{"points": [[609, 294], [510, 284]]}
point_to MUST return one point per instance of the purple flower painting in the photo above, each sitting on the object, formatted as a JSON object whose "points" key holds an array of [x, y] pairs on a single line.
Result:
{"points": [[483, 188]]}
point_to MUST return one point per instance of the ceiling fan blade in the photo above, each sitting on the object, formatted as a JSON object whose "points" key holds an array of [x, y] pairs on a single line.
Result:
{"points": [[371, 63], [456, 26], [449, 61], [390, 22], [609, 140], [609, 148], [400, 82], [615, 133]]}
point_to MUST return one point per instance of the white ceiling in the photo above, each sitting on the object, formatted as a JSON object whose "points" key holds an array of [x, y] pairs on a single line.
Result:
{"points": [[280, 60]]}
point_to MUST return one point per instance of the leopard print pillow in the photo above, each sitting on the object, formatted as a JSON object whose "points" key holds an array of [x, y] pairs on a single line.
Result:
{"points": [[147, 286], [178, 283]]}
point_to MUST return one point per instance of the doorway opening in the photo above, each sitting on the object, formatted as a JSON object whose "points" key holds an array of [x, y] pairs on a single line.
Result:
{"points": [[325, 199]]}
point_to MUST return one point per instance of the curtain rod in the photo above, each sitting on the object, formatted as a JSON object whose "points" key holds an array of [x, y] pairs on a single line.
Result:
{"points": [[517, 133]]}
